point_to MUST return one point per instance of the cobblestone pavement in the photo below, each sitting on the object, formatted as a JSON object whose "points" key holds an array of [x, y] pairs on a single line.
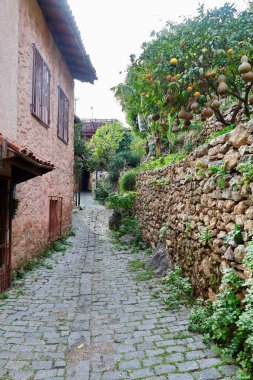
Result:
{"points": [[84, 316]]}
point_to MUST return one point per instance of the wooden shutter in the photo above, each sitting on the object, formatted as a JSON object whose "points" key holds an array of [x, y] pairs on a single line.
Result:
{"points": [[45, 94], [60, 113], [63, 115], [66, 120], [41, 88]]}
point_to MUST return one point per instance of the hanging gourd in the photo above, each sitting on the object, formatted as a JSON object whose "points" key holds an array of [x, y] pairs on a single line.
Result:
{"points": [[223, 87], [202, 84], [245, 66], [215, 103], [155, 117], [195, 106], [189, 116], [187, 123], [170, 98], [208, 112], [202, 116], [182, 114], [247, 77]]}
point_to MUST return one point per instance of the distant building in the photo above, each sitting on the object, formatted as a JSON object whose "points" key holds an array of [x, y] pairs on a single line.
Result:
{"points": [[90, 126], [41, 54]]}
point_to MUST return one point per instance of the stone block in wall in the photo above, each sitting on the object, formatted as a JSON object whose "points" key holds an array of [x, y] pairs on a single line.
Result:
{"points": [[248, 225], [231, 159], [229, 254], [247, 158], [239, 253], [241, 207], [240, 220], [249, 212], [239, 136], [222, 139]]}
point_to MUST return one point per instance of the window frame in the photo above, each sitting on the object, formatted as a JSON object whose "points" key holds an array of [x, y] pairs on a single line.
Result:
{"points": [[38, 105], [63, 116]]}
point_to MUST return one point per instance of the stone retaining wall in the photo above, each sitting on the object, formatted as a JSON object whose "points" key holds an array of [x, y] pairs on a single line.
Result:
{"points": [[192, 202]]}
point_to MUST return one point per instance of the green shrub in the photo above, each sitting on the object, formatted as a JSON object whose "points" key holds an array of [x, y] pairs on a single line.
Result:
{"points": [[116, 165], [122, 201], [103, 190], [228, 321], [131, 226], [234, 236], [246, 169], [121, 161], [177, 289], [127, 181]]}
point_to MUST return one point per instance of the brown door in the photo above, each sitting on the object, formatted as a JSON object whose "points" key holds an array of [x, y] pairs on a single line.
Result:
{"points": [[55, 218], [5, 267]]}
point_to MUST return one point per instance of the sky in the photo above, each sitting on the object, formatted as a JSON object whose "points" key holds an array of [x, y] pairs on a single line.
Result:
{"points": [[111, 31]]}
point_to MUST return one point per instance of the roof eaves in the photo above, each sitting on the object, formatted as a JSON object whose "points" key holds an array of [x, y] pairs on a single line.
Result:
{"points": [[58, 12]]}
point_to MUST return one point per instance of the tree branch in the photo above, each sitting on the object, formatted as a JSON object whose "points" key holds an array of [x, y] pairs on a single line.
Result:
{"points": [[246, 99], [236, 110], [220, 117]]}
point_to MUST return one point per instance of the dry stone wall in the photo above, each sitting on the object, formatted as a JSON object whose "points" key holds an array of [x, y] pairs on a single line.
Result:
{"points": [[193, 208]]}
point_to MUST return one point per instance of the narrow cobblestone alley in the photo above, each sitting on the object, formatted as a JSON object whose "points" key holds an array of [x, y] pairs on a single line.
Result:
{"points": [[83, 316]]}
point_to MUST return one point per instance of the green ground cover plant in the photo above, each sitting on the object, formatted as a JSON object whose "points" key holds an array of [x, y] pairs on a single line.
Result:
{"points": [[228, 321]]}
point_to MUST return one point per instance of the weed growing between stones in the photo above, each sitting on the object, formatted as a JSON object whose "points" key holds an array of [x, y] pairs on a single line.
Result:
{"points": [[59, 246], [39, 261], [205, 236], [4, 296], [228, 321], [72, 232], [125, 226], [136, 265], [143, 274], [176, 290], [215, 134]]}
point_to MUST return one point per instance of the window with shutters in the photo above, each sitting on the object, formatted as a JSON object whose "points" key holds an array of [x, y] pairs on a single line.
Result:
{"points": [[41, 88], [63, 116]]}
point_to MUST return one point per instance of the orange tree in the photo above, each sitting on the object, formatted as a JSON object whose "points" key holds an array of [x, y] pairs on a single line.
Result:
{"points": [[201, 66]]}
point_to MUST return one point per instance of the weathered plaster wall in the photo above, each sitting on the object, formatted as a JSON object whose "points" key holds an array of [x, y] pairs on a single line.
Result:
{"points": [[8, 66], [30, 226], [188, 198]]}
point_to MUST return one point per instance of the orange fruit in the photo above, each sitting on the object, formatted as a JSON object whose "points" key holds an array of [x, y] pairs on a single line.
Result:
{"points": [[230, 51], [169, 77], [174, 79], [148, 76], [189, 88], [173, 61], [196, 94]]}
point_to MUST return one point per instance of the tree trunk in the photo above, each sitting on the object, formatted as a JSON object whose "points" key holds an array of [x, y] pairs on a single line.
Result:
{"points": [[158, 145]]}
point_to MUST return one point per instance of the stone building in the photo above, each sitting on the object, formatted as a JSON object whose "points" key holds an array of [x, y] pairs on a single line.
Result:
{"points": [[41, 55]]}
